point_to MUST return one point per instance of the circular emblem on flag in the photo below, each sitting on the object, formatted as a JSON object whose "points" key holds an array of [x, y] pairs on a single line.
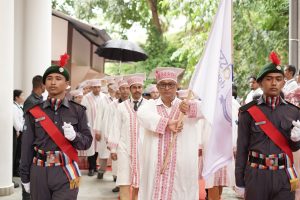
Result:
{"points": [[278, 67], [226, 73], [61, 69]]}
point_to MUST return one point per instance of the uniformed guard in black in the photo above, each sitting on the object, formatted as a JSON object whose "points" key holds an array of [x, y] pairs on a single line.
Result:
{"points": [[260, 164], [41, 168]]}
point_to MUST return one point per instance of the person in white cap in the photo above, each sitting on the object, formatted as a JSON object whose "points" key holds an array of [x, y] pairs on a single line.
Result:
{"points": [[85, 86], [77, 95], [90, 101], [179, 178], [107, 129], [127, 134], [99, 124], [153, 91]]}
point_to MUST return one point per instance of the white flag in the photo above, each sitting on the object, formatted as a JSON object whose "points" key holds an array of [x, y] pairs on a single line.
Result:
{"points": [[212, 82]]}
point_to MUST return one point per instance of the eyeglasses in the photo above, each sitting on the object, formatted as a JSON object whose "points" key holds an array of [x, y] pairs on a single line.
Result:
{"points": [[166, 85]]}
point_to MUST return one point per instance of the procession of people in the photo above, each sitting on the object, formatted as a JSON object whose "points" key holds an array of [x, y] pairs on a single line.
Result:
{"points": [[155, 146]]}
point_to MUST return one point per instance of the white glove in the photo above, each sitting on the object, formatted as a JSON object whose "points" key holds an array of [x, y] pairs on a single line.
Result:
{"points": [[295, 133], [26, 187], [240, 192], [296, 123], [69, 132]]}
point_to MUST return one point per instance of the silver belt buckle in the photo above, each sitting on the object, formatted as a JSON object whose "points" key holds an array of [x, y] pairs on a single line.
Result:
{"points": [[50, 159]]}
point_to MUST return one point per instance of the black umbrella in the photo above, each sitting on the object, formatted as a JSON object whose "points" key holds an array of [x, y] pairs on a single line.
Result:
{"points": [[121, 50]]}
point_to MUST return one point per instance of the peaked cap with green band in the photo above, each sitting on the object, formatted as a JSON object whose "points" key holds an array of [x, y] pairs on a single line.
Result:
{"points": [[58, 68], [273, 67]]}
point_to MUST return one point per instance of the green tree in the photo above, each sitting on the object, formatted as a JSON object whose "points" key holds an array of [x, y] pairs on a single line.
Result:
{"points": [[260, 26]]}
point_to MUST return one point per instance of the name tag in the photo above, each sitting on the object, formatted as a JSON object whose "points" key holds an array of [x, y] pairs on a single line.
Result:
{"points": [[260, 123], [40, 119]]}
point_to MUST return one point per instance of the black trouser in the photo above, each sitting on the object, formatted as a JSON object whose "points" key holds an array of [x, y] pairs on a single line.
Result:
{"points": [[93, 161], [50, 183], [264, 184], [25, 195], [18, 154], [14, 164]]}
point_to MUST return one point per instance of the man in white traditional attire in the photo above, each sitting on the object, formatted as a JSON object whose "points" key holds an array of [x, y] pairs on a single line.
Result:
{"points": [[109, 116], [90, 101], [179, 180], [100, 123], [255, 89], [290, 83], [85, 86], [127, 134], [154, 94]]}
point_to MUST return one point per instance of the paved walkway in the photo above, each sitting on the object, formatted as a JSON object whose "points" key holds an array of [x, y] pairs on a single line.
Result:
{"points": [[93, 189]]}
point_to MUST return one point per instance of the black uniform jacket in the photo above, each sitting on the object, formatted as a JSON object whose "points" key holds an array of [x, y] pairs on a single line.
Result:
{"points": [[252, 138], [35, 135]]}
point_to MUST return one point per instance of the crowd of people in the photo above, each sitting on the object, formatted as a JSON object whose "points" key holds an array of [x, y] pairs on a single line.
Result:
{"points": [[110, 119], [154, 138]]}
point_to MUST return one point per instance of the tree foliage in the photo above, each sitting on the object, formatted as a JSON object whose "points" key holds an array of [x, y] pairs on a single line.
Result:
{"points": [[259, 26]]}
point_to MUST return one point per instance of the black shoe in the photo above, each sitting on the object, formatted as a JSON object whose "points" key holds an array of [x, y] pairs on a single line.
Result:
{"points": [[25, 195], [115, 178], [100, 175], [16, 185], [91, 172], [116, 189]]}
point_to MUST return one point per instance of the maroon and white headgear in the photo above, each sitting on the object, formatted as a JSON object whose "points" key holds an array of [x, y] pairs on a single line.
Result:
{"points": [[109, 79], [152, 88], [114, 87], [76, 93], [135, 79], [167, 73], [95, 82], [84, 84], [122, 83]]}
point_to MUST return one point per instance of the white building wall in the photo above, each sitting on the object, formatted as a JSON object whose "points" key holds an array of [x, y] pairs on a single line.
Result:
{"points": [[80, 50], [6, 88], [37, 40], [59, 37]]}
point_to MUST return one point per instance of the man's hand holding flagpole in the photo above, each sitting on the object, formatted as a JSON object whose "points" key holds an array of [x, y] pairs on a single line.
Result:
{"points": [[179, 126]]}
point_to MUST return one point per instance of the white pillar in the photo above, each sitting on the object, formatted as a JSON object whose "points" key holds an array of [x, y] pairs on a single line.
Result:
{"points": [[37, 40], [6, 88], [19, 44], [293, 32]]}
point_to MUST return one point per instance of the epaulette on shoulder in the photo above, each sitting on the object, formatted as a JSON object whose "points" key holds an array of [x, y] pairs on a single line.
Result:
{"points": [[78, 104], [293, 105], [32, 106], [247, 106]]}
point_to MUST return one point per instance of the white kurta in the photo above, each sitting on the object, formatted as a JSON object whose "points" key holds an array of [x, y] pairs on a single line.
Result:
{"points": [[99, 125], [289, 86], [253, 93], [90, 101], [180, 179], [128, 134], [109, 117], [18, 120]]}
